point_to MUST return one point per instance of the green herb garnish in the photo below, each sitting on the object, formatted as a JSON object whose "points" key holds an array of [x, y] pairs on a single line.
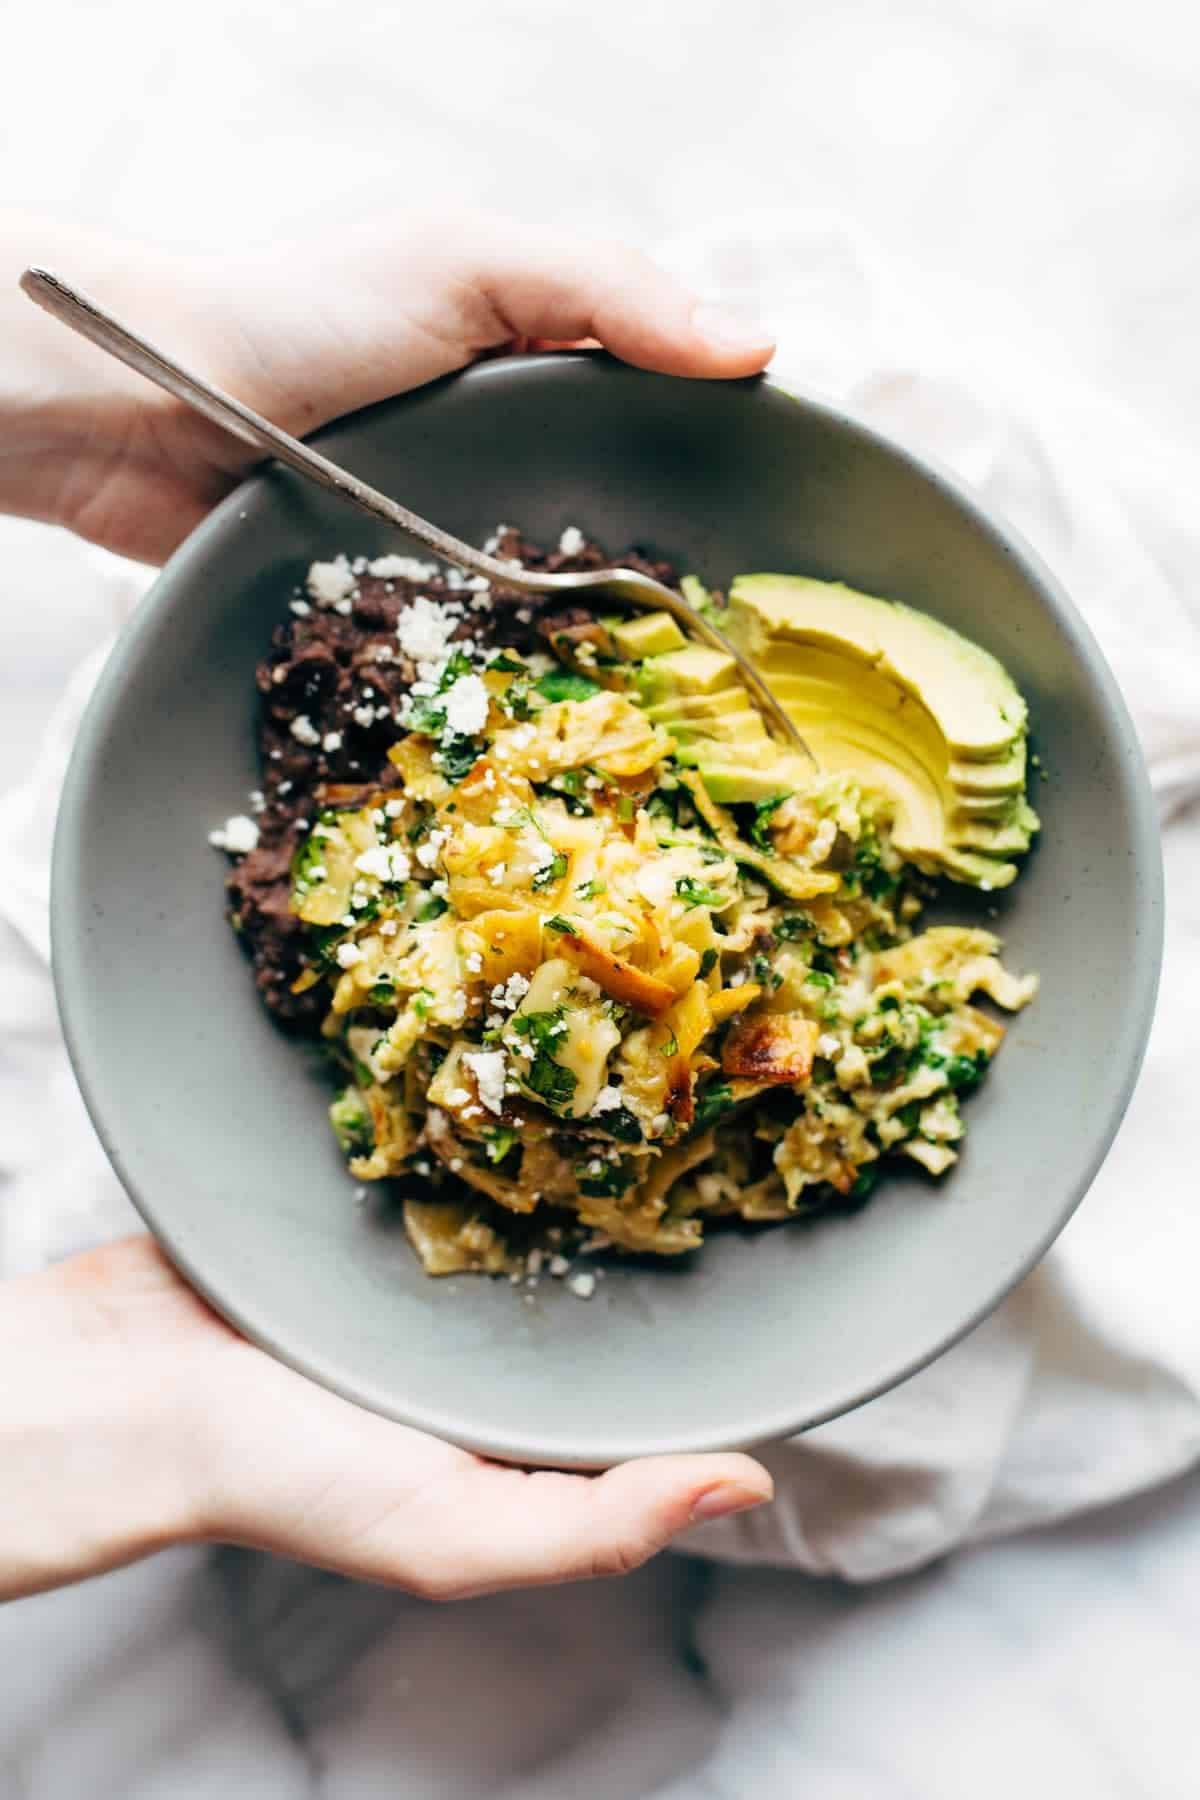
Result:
{"points": [[602, 1179], [545, 1077], [764, 811], [499, 1143], [351, 1121], [713, 1103], [565, 684], [554, 871], [698, 893]]}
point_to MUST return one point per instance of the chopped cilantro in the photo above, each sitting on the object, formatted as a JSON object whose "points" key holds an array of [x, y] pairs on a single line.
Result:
{"points": [[602, 1179], [587, 890], [795, 925], [420, 1003], [671, 1047], [708, 962], [764, 811], [558, 923], [570, 785], [384, 992], [515, 699], [308, 864], [864, 1184], [554, 870], [504, 664], [714, 1102], [964, 1073], [433, 908], [866, 873], [820, 978], [459, 756], [698, 893], [565, 684], [499, 1143], [351, 1121], [664, 803], [620, 1123], [545, 1077]]}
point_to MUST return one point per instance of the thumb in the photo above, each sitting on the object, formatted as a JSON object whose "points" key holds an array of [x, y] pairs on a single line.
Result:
{"points": [[400, 307], [512, 1529]]}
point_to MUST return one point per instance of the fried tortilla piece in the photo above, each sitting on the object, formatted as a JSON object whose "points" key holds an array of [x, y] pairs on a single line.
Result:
{"points": [[450, 1240], [777, 1050], [618, 978]]}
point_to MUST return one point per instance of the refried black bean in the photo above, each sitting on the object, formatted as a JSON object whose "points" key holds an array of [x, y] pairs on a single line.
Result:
{"points": [[327, 667]]}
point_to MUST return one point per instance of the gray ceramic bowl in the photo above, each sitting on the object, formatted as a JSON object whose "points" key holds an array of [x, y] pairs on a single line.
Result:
{"points": [[216, 1124]]}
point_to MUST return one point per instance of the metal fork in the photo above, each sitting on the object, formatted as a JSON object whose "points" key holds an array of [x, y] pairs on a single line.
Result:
{"points": [[625, 586]]}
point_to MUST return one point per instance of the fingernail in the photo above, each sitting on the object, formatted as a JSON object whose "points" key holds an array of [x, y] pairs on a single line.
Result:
{"points": [[733, 331], [720, 1502]]}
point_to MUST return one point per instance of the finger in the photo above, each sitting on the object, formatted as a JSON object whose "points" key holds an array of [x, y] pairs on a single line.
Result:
{"points": [[402, 309], [506, 1528], [540, 287], [293, 1469]]}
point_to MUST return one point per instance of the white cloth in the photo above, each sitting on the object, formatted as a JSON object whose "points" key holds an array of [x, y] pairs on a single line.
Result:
{"points": [[1085, 1385]]}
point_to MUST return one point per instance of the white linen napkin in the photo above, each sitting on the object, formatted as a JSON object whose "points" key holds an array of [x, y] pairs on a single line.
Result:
{"points": [[1085, 1385]]}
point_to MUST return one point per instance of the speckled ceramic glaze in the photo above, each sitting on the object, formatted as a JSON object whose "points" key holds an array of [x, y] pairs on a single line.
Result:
{"points": [[216, 1123]]}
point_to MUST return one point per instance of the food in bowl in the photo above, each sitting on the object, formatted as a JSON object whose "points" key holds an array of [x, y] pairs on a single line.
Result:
{"points": [[599, 961]]}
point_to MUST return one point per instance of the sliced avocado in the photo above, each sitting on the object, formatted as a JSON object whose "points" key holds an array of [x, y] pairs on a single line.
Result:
{"points": [[975, 870], [886, 765], [734, 784], [955, 675], [1008, 839], [645, 634], [986, 806], [744, 728], [693, 670], [697, 706], [695, 593], [904, 704], [968, 692], [1004, 776], [697, 751]]}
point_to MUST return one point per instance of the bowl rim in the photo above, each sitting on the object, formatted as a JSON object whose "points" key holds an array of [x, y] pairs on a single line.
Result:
{"points": [[68, 935]]}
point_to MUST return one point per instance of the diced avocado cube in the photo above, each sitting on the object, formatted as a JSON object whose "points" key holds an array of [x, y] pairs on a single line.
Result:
{"points": [[693, 670], [645, 634]]}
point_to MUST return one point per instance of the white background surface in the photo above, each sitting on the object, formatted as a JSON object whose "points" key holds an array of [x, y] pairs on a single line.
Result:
{"points": [[1035, 173]]}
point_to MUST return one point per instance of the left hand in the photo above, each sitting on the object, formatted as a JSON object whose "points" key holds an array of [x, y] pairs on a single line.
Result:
{"points": [[302, 334], [132, 1417]]}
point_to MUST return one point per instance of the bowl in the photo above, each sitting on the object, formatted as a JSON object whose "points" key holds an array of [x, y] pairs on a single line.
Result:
{"points": [[215, 1121]]}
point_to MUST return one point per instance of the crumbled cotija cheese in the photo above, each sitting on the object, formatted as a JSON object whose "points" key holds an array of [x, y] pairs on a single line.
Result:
{"points": [[402, 568], [304, 731], [347, 955], [572, 541], [429, 851], [329, 582], [238, 835], [386, 862], [489, 1069], [467, 706], [425, 629]]}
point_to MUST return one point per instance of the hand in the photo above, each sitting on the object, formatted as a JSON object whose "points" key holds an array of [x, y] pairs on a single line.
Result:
{"points": [[302, 334], [133, 1417]]}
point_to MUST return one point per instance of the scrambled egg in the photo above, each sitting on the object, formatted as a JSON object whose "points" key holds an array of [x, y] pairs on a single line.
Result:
{"points": [[573, 995]]}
